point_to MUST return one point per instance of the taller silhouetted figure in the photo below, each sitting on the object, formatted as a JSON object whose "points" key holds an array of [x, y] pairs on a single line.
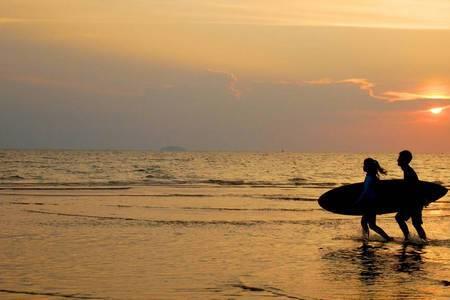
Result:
{"points": [[412, 207]]}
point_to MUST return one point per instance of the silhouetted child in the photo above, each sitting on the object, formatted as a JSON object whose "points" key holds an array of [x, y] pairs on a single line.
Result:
{"points": [[367, 199], [413, 208]]}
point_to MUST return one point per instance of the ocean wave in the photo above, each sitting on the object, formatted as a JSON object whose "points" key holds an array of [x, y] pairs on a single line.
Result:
{"points": [[130, 195], [159, 176], [154, 172], [60, 188], [297, 179], [51, 294], [154, 222], [272, 291], [26, 203], [226, 182], [13, 177], [439, 208], [253, 209], [163, 180], [261, 183], [221, 208], [290, 198]]}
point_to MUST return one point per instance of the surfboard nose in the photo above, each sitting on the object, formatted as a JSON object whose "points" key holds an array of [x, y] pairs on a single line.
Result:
{"points": [[440, 192]]}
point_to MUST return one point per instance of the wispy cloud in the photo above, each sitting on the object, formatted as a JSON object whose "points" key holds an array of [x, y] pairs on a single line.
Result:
{"points": [[369, 87], [373, 14], [431, 14], [405, 96]]}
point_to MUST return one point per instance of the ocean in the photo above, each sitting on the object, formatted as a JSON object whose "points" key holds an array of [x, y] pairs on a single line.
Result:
{"points": [[207, 225]]}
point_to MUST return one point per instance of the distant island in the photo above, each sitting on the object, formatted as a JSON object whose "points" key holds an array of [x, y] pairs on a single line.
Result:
{"points": [[172, 149]]}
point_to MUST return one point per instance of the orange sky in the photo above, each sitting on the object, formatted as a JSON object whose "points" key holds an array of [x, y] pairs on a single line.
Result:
{"points": [[260, 75]]}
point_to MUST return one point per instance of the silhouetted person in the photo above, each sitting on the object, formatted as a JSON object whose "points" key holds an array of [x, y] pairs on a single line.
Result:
{"points": [[367, 199], [413, 207]]}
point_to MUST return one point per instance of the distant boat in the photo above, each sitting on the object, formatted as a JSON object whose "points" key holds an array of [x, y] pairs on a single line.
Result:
{"points": [[172, 149]]}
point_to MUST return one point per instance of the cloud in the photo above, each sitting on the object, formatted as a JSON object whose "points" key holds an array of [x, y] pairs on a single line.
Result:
{"points": [[405, 96], [232, 82], [369, 87]]}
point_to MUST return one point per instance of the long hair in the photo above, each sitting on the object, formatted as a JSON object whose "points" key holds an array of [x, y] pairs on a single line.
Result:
{"points": [[372, 166]]}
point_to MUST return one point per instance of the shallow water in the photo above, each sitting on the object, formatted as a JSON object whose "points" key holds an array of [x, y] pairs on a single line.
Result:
{"points": [[252, 233]]}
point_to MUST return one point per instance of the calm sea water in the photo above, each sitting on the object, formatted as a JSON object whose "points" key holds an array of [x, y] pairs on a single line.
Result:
{"points": [[147, 225], [110, 168]]}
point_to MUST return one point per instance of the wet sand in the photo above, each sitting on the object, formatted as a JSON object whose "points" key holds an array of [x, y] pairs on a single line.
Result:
{"points": [[207, 242]]}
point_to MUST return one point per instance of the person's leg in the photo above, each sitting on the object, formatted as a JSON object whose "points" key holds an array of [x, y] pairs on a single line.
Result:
{"points": [[365, 227], [417, 223], [400, 218], [373, 225], [420, 231]]}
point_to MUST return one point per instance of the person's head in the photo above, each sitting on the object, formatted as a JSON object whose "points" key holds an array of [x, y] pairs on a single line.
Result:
{"points": [[404, 158], [372, 167]]}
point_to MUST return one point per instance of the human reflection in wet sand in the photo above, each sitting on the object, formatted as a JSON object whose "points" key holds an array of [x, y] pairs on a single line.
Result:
{"points": [[366, 262], [377, 264], [372, 265], [410, 258]]}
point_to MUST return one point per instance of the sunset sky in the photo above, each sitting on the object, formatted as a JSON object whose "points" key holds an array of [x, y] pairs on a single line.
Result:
{"points": [[256, 75]]}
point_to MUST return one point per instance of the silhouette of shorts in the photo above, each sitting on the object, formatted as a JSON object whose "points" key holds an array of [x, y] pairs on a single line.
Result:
{"points": [[415, 213]]}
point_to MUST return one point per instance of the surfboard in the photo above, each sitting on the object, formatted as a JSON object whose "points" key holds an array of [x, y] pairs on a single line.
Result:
{"points": [[391, 195]]}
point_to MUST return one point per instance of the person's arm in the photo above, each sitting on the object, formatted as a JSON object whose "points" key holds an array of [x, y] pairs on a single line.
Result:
{"points": [[366, 187], [412, 181]]}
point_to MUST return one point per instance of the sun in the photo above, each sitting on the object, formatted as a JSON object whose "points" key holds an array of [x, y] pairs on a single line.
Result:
{"points": [[436, 110]]}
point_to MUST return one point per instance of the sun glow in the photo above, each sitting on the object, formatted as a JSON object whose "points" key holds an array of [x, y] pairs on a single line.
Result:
{"points": [[437, 97], [435, 90], [436, 110]]}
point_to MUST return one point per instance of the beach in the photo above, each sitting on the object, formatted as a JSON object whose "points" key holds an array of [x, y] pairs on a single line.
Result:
{"points": [[206, 226], [214, 150]]}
